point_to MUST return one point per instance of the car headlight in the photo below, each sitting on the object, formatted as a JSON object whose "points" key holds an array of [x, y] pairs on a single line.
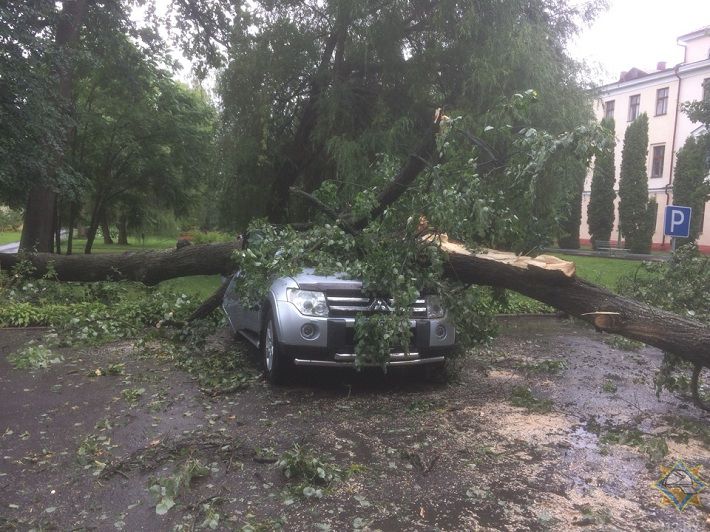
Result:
{"points": [[308, 302], [434, 308]]}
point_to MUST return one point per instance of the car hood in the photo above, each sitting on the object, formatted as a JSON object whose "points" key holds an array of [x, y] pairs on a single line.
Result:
{"points": [[308, 280]]}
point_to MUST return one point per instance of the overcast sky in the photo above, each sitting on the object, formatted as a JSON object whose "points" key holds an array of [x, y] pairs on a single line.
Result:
{"points": [[630, 33], [638, 33]]}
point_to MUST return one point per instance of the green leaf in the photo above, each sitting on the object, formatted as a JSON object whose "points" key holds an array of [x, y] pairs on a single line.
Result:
{"points": [[164, 505]]}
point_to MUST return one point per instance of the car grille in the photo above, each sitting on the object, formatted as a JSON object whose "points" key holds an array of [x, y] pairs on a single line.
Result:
{"points": [[352, 304]]}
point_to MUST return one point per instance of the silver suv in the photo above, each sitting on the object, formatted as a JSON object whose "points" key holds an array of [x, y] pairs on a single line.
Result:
{"points": [[309, 320]]}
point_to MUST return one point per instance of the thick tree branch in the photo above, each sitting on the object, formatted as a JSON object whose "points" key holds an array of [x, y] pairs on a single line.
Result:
{"points": [[147, 267], [415, 164], [606, 310], [211, 303], [318, 204]]}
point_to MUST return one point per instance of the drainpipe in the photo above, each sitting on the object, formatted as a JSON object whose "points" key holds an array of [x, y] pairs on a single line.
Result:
{"points": [[669, 186]]}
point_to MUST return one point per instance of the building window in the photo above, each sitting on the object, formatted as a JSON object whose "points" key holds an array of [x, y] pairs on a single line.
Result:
{"points": [[634, 105], [661, 101], [706, 88], [659, 153], [609, 109]]}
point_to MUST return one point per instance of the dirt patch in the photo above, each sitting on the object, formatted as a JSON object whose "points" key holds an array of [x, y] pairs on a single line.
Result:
{"points": [[581, 448]]}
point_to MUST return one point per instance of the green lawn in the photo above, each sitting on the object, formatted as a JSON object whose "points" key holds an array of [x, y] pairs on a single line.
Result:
{"points": [[8, 237], [201, 286], [601, 270], [134, 244]]}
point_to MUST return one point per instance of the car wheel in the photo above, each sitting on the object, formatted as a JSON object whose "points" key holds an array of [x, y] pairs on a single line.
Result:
{"points": [[275, 363]]}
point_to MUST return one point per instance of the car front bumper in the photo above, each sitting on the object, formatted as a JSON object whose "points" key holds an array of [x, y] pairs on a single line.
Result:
{"points": [[333, 342]]}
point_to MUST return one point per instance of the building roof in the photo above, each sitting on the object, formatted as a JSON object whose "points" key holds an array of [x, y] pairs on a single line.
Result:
{"points": [[697, 34]]}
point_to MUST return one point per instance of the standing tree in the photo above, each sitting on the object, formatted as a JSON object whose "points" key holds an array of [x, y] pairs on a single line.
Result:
{"points": [[635, 209], [600, 210], [692, 183], [691, 187], [571, 207], [40, 212], [31, 122], [321, 90]]}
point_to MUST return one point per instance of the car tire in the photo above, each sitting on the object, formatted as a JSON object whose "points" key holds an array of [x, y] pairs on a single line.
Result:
{"points": [[276, 364]]}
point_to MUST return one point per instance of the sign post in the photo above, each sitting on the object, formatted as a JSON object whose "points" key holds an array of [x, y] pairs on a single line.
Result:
{"points": [[677, 222]]}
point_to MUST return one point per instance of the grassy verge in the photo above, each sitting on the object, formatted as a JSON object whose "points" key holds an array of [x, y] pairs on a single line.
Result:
{"points": [[8, 237], [601, 270], [200, 286], [134, 244]]}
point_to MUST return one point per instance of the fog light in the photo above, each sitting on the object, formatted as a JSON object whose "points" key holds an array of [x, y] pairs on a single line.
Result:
{"points": [[440, 332], [309, 331]]}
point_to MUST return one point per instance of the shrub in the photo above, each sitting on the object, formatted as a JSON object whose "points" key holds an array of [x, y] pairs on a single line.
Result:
{"points": [[681, 285], [10, 220]]}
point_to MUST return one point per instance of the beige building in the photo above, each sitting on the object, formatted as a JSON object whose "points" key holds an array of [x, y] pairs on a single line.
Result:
{"points": [[660, 95]]}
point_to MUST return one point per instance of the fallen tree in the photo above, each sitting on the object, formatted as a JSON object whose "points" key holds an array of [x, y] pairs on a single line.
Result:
{"points": [[557, 286], [607, 311], [147, 267]]}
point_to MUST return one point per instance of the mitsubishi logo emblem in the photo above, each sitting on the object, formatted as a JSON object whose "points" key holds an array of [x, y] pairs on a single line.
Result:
{"points": [[379, 305]]}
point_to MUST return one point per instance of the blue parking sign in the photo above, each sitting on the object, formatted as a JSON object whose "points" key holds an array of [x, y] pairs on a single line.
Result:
{"points": [[677, 221]]}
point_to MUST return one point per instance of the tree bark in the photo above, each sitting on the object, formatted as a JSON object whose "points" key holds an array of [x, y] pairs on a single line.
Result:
{"points": [[93, 227], [57, 228], [607, 311], [38, 221], [73, 211], [148, 267], [122, 230], [106, 229]]}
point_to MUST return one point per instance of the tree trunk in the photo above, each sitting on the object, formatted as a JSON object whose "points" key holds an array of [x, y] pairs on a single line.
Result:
{"points": [[300, 151], [122, 230], [607, 311], [39, 212], [106, 229], [57, 228], [96, 214], [73, 210], [148, 267], [38, 220]]}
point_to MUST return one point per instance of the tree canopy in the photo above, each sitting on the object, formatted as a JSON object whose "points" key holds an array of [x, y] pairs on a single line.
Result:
{"points": [[94, 117], [323, 91]]}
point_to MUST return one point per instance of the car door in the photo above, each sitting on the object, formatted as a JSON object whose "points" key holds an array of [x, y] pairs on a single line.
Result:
{"points": [[241, 317]]}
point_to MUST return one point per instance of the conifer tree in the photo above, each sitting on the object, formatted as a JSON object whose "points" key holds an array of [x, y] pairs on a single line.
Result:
{"points": [[691, 186], [600, 210], [571, 215], [636, 212]]}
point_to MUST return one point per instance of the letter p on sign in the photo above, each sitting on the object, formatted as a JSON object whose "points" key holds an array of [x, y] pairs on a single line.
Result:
{"points": [[677, 221]]}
